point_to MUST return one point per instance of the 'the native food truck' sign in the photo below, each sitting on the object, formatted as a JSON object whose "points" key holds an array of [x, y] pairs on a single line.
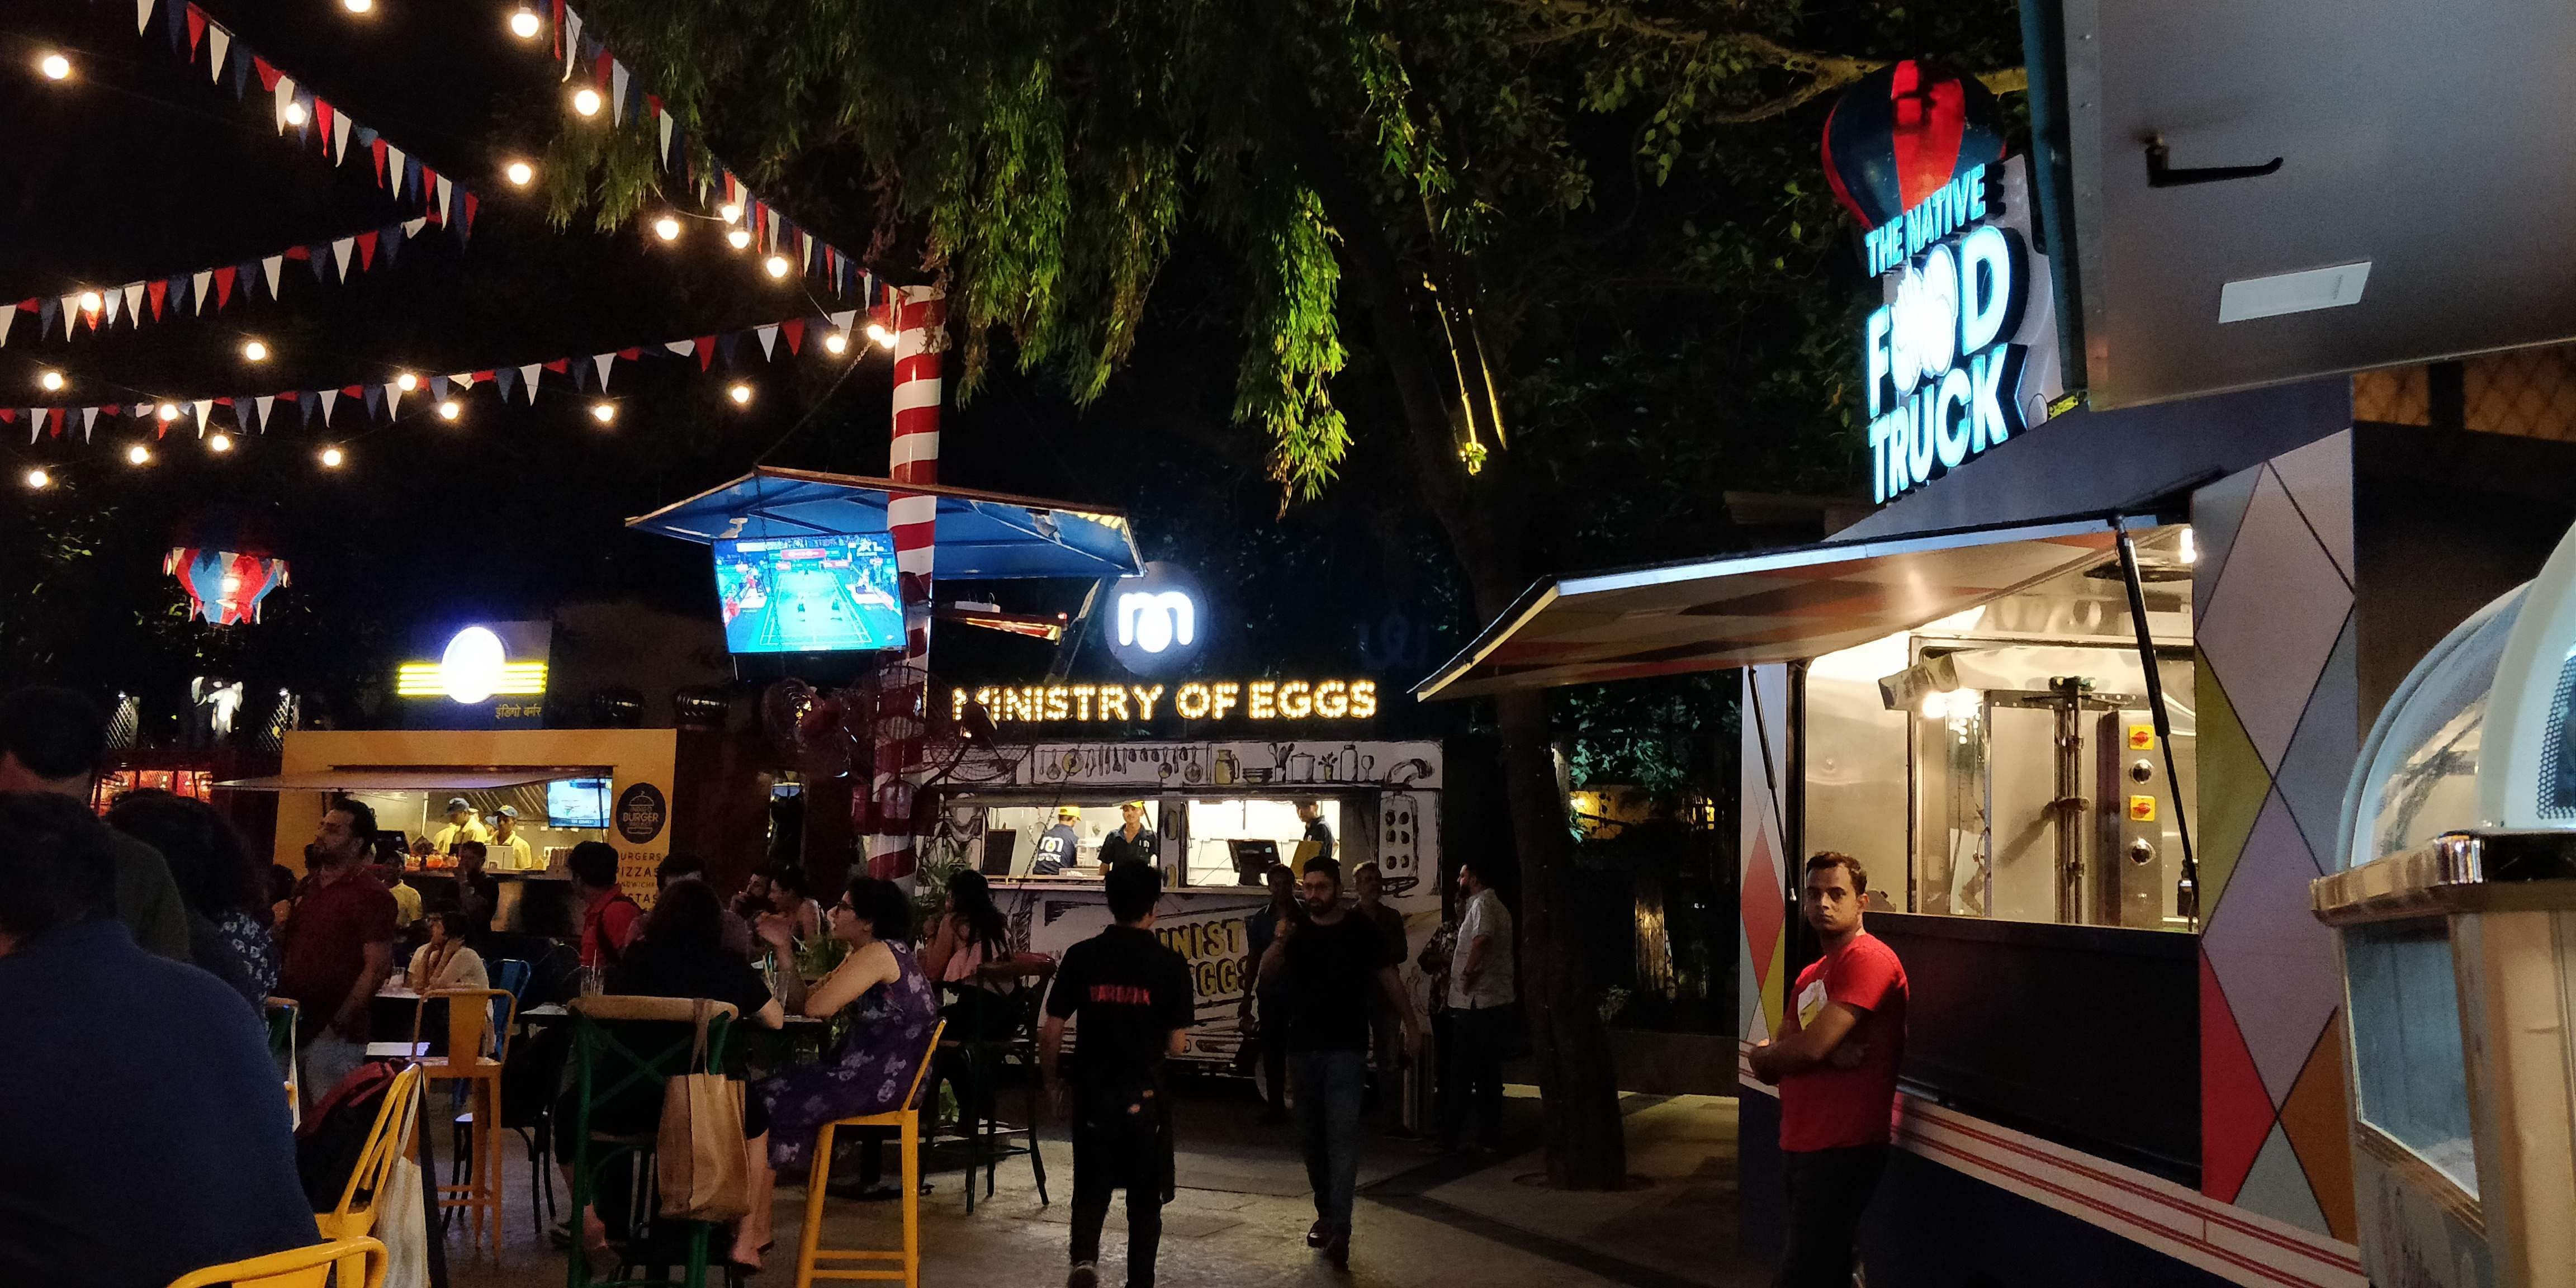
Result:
{"points": [[1191, 702], [1962, 355]]}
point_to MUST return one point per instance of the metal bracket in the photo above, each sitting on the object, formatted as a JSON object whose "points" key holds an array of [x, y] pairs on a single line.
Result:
{"points": [[2162, 174]]}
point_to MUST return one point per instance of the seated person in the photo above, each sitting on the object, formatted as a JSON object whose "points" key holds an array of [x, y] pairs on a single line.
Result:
{"points": [[445, 961], [791, 898], [146, 1133], [221, 886]]}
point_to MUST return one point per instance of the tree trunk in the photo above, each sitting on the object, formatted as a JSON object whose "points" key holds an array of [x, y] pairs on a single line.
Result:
{"points": [[1578, 1086]]}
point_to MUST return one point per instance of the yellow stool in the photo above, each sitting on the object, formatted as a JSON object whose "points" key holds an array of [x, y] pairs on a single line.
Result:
{"points": [[298, 1268], [469, 1021], [388, 1145], [907, 1124]]}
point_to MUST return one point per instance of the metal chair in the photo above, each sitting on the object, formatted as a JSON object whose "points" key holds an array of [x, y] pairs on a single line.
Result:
{"points": [[299, 1268], [981, 1062], [907, 1124], [478, 1019], [625, 1050], [388, 1146]]}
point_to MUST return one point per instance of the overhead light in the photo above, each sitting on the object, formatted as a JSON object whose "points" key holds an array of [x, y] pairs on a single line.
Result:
{"points": [[221, 442], [37, 478], [586, 101], [739, 238], [777, 266], [52, 381], [603, 412], [138, 455], [519, 173], [836, 342], [357, 6], [667, 228], [169, 412], [55, 67], [740, 393], [878, 333], [294, 113], [90, 301], [332, 458], [732, 212], [525, 24], [254, 351], [2190, 546], [406, 382], [450, 409], [2302, 292]]}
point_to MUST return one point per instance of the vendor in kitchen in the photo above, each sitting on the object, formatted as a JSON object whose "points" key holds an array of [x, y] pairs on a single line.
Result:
{"points": [[510, 852], [462, 825], [1132, 839]]}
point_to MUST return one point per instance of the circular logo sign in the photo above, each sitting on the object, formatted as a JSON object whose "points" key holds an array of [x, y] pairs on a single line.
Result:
{"points": [[641, 812], [1158, 621]]}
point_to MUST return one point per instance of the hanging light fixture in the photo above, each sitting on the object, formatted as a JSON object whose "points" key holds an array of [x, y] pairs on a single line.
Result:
{"points": [[836, 342], [519, 173], [739, 239], [667, 228], [90, 302], [254, 351], [603, 412], [732, 212], [357, 6], [525, 24], [333, 458], [777, 266], [586, 101], [450, 409], [294, 113], [878, 333], [52, 381], [220, 442], [740, 393], [169, 412], [406, 382], [55, 67], [39, 479], [138, 455]]}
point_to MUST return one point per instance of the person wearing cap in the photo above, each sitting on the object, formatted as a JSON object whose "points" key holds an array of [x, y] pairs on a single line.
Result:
{"points": [[1059, 846], [1131, 840], [461, 826], [510, 850]]}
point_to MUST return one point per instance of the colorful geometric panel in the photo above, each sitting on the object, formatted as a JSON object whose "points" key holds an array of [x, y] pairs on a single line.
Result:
{"points": [[2320, 1130], [2319, 479], [2277, 1187], [2216, 511], [2233, 787], [2235, 1114], [2318, 765], [2273, 619], [2272, 957]]}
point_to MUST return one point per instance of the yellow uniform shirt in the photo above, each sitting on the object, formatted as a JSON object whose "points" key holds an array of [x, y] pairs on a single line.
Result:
{"points": [[512, 855], [449, 835]]}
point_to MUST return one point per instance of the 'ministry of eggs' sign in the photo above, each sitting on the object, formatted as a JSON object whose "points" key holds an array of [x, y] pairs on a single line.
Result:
{"points": [[1962, 355]]}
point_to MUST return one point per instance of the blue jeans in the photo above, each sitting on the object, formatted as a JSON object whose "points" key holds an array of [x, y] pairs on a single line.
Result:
{"points": [[1329, 1085]]}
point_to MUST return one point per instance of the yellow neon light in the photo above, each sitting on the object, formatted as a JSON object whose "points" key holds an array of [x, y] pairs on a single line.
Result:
{"points": [[429, 680]]}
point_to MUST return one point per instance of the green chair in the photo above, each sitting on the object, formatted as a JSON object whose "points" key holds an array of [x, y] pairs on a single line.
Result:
{"points": [[625, 1050]]}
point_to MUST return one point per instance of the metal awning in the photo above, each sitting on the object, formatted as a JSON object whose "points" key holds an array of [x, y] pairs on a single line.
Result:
{"points": [[416, 778], [1744, 610], [981, 536]]}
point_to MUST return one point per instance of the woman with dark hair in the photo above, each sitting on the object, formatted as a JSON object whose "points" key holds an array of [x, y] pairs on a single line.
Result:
{"points": [[222, 887], [791, 899], [445, 961], [891, 1010], [969, 956]]}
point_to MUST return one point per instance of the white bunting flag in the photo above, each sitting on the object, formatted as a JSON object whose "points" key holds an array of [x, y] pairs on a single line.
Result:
{"points": [[412, 227], [393, 398], [35, 424], [463, 379], [71, 314], [265, 402], [218, 40], [142, 16], [340, 254], [682, 347], [339, 137], [8, 314], [89, 419], [528, 378], [444, 188], [203, 280], [768, 338], [270, 267], [394, 167], [617, 76], [845, 319], [769, 221], [572, 41], [603, 359], [285, 95], [203, 405], [666, 140], [330, 398], [109, 302]]}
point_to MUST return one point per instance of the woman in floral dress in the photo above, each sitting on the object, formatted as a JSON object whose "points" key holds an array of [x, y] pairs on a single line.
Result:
{"points": [[892, 1009]]}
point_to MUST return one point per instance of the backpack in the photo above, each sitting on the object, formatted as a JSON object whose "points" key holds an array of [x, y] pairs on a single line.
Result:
{"points": [[334, 1135]]}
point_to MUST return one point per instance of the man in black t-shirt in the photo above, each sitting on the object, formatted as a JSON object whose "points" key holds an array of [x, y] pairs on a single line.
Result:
{"points": [[1333, 962], [1134, 999]]}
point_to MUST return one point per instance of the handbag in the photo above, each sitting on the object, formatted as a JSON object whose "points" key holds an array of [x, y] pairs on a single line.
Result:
{"points": [[700, 1158]]}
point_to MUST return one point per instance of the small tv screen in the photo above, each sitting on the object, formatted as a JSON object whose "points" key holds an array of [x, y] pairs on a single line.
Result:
{"points": [[830, 594], [577, 802]]}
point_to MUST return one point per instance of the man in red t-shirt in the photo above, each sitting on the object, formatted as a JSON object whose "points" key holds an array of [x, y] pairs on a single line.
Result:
{"points": [[1835, 1061], [608, 917], [338, 947]]}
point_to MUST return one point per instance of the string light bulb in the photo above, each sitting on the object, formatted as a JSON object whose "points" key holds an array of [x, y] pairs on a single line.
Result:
{"points": [[220, 442], [52, 382], [169, 412], [333, 458], [836, 342], [739, 239], [777, 266], [406, 382], [450, 409], [38, 478], [357, 6], [90, 302], [667, 228], [878, 332], [255, 351], [294, 113], [732, 212], [740, 393], [55, 67], [525, 24], [519, 173], [603, 412], [138, 455], [586, 101]]}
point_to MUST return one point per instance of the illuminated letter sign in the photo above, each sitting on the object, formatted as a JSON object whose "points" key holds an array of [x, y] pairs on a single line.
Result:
{"points": [[1191, 702], [1157, 621]]}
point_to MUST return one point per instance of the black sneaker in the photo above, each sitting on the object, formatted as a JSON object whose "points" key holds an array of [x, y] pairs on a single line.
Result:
{"points": [[1084, 1275], [1337, 1250]]}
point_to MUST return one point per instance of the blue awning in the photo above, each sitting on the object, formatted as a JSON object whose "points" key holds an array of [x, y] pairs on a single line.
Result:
{"points": [[981, 536]]}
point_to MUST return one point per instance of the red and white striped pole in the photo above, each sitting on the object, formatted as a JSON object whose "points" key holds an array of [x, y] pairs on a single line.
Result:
{"points": [[920, 326]]}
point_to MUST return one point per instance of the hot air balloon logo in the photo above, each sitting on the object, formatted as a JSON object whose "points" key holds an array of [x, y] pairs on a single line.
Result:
{"points": [[226, 564], [1901, 132]]}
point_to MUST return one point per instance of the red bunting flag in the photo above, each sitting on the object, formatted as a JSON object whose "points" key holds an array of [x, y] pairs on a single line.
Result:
{"points": [[196, 28], [366, 251], [376, 148], [159, 290], [224, 285], [322, 114], [706, 345], [267, 73], [559, 366], [794, 330]]}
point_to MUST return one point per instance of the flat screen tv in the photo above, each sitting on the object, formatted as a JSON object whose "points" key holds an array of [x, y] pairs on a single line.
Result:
{"points": [[577, 802], [827, 594]]}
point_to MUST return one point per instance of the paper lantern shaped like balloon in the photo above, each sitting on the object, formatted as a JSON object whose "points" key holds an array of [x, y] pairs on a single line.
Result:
{"points": [[223, 587], [1901, 132]]}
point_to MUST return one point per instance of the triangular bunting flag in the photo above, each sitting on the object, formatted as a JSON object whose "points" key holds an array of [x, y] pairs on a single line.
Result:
{"points": [[559, 366], [395, 162], [366, 251], [268, 268], [438, 388], [726, 343], [603, 359], [794, 328], [393, 399], [340, 255], [241, 71], [110, 302], [465, 227], [506, 379], [340, 139], [9, 314], [445, 188], [374, 397], [845, 319], [45, 312], [283, 91], [680, 347], [330, 398], [571, 30], [264, 401], [375, 152], [413, 171], [325, 117], [202, 279], [196, 28], [134, 302], [142, 16], [528, 378], [768, 339], [706, 347], [71, 314], [666, 139], [389, 239], [89, 421], [617, 75], [412, 227], [202, 405], [224, 286]]}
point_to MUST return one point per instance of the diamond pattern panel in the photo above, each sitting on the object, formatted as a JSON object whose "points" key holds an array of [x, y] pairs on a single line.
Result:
{"points": [[2273, 958], [2233, 786], [2235, 1115], [2278, 1188], [2216, 511], [2319, 764], [2393, 396], [2320, 1130], [2273, 619], [2319, 479]]}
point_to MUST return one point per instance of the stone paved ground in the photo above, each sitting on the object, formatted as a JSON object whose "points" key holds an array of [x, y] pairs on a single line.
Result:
{"points": [[1242, 1211]]}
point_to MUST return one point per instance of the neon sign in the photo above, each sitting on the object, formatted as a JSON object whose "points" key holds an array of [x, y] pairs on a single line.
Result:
{"points": [[1193, 701]]}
